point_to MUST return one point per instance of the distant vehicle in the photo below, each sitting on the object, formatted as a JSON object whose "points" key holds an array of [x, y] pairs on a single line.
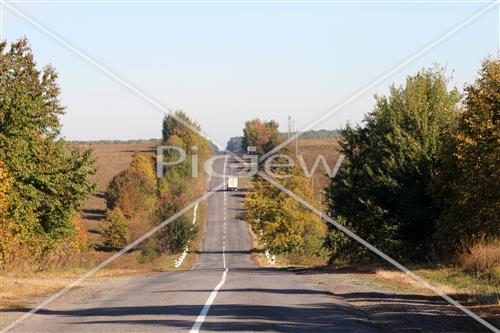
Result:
{"points": [[232, 183]]}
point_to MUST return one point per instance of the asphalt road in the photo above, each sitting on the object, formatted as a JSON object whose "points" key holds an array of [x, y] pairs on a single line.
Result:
{"points": [[225, 291]]}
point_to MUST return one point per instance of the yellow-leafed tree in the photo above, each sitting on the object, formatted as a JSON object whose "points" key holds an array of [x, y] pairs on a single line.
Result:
{"points": [[468, 179]]}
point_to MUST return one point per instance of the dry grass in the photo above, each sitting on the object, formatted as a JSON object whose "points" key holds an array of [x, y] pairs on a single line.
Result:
{"points": [[19, 287], [449, 280], [474, 282], [482, 261], [400, 279], [310, 149]]}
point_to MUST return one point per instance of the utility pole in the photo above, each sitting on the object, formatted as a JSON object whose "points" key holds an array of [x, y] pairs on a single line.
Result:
{"points": [[295, 138], [289, 127]]}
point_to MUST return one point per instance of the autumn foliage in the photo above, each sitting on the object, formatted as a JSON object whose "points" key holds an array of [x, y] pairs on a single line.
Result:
{"points": [[282, 224], [134, 189], [136, 199], [467, 180], [263, 135]]}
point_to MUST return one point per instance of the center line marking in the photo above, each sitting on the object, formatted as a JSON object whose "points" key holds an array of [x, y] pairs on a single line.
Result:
{"points": [[203, 314]]}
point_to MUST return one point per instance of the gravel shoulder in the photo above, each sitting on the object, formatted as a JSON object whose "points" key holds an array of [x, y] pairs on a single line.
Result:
{"points": [[395, 308]]}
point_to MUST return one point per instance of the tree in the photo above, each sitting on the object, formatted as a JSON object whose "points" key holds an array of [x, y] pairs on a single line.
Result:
{"points": [[178, 233], [235, 145], [262, 135], [467, 180], [5, 186], [143, 164], [132, 191], [179, 130], [115, 232], [180, 125], [50, 177], [178, 185], [280, 222], [381, 192]]}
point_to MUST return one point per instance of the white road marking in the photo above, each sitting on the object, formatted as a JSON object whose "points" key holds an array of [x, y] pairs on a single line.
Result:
{"points": [[203, 314], [225, 215], [179, 261]]}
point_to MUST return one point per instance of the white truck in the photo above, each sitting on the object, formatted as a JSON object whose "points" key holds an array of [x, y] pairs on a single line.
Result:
{"points": [[232, 183]]}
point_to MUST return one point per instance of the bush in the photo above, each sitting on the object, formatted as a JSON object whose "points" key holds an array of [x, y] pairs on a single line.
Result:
{"points": [[150, 251], [282, 224], [143, 164], [131, 191], [5, 186], [482, 261], [115, 233], [178, 233]]}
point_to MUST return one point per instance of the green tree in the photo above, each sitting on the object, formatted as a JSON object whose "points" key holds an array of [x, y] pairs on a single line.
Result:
{"points": [[235, 145], [180, 125], [178, 186], [262, 135], [178, 233], [179, 130], [467, 181], [381, 192], [50, 177]]}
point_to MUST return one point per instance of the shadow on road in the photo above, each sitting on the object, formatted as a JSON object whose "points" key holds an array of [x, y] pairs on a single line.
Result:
{"points": [[380, 311]]}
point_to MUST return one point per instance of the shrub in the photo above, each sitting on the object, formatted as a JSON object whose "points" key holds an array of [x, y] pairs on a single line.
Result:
{"points": [[143, 164], [283, 224], [173, 183], [482, 261], [178, 233], [150, 251], [131, 191], [115, 233]]}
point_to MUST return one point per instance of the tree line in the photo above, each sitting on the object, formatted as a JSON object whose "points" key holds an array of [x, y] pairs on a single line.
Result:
{"points": [[420, 178], [235, 144], [138, 201], [44, 179]]}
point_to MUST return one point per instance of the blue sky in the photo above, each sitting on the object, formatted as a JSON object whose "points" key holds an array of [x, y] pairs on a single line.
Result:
{"points": [[227, 63]]}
